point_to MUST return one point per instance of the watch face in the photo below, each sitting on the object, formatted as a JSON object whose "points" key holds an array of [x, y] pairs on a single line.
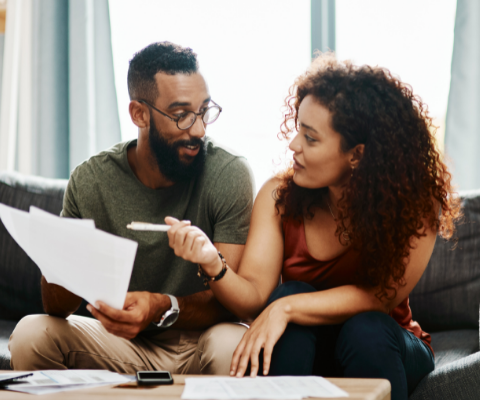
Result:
{"points": [[170, 318]]}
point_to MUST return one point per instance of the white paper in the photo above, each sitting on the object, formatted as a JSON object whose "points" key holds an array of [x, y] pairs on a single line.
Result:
{"points": [[89, 262], [51, 381], [285, 387]]}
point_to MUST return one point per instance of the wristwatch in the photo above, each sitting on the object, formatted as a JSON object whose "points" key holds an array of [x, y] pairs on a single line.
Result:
{"points": [[170, 316]]}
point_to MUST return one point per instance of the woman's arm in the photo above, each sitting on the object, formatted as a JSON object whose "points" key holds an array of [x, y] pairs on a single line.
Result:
{"points": [[336, 305], [246, 293], [327, 307]]}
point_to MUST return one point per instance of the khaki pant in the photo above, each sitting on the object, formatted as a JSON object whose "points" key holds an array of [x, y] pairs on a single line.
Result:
{"points": [[44, 342]]}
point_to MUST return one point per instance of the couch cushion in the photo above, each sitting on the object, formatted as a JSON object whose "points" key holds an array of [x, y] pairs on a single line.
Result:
{"points": [[448, 294], [6, 329], [451, 346], [459, 380], [19, 276]]}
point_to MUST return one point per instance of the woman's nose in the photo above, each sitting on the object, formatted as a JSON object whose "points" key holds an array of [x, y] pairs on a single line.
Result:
{"points": [[295, 145]]}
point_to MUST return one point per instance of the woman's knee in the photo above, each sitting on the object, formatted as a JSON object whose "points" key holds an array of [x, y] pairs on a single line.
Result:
{"points": [[290, 288], [368, 333]]}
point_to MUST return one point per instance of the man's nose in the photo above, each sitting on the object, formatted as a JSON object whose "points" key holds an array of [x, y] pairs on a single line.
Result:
{"points": [[198, 128]]}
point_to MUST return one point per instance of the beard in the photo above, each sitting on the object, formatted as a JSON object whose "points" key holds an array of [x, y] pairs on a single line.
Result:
{"points": [[168, 158]]}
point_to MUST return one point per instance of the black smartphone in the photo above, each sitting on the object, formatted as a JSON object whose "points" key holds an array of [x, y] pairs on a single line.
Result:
{"points": [[154, 378]]}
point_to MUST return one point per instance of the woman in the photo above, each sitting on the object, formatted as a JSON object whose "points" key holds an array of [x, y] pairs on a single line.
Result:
{"points": [[350, 227]]}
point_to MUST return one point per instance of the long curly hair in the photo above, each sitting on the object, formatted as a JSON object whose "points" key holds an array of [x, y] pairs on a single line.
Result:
{"points": [[394, 193]]}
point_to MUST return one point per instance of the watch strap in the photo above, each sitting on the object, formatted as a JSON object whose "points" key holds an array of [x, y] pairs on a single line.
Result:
{"points": [[174, 301], [174, 309]]}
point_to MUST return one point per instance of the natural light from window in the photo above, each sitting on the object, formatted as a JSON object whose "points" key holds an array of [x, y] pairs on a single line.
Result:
{"points": [[251, 51], [412, 38]]}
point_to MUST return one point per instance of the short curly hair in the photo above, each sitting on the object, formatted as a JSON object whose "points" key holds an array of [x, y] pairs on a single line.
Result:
{"points": [[394, 194], [164, 57]]}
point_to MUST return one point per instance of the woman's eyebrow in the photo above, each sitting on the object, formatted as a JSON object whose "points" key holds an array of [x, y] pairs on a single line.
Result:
{"points": [[308, 127]]}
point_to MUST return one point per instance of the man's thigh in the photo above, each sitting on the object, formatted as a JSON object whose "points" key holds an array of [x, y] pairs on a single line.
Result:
{"points": [[215, 348], [44, 342]]}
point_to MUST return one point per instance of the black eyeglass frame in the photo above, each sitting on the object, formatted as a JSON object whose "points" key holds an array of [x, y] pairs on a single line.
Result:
{"points": [[176, 120]]}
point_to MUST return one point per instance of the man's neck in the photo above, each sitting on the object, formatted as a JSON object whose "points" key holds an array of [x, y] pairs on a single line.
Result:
{"points": [[145, 168]]}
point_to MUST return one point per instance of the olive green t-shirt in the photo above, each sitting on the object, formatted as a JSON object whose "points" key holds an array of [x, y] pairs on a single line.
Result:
{"points": [[219, 202]]}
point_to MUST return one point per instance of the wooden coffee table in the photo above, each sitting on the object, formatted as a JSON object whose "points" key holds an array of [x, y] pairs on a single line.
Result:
{"points": [[358, 389]]}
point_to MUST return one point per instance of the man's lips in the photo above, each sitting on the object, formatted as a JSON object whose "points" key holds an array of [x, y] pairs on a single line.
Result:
{"points": [[191, 151]]}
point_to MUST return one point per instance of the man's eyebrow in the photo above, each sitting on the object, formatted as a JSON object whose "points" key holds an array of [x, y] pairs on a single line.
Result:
{"points": [[308, 127], [185, 103]]}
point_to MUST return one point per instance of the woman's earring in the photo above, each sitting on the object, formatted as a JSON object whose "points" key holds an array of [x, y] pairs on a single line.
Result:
{"points": [[352, 170]]}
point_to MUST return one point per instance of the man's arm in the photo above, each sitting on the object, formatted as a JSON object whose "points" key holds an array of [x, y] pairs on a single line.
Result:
{"points": [[202, 310], [197, 311]]}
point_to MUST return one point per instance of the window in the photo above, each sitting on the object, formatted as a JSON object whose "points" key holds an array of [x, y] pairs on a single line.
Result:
{"points": [[413, 39]]}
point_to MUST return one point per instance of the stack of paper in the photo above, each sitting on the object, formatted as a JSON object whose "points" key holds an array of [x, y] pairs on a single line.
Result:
{"points": [[45, 382], [91, 263], [279, 388]]}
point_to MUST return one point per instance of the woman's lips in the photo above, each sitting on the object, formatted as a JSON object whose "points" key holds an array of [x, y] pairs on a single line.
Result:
{"points": [[297, 166]]}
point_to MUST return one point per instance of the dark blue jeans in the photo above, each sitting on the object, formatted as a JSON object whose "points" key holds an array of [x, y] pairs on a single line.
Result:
{"points": [[368, 345]]}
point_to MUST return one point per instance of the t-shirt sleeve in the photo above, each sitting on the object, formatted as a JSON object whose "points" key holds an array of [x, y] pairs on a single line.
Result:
{"points": [[231, 202], [70, 209]]}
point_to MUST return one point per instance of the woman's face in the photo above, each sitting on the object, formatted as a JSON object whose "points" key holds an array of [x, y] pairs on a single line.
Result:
{"points": [[319, 159]]}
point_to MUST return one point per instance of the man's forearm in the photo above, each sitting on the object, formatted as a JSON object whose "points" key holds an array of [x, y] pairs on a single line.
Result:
{"points": [[200, 311], [58, 301]]}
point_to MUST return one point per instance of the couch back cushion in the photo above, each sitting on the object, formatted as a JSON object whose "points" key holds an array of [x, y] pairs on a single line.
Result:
{"points": [[448, 294], [20, 293]]}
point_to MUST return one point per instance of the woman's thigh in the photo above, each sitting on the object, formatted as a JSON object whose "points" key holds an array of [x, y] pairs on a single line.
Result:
{"points": [[373, 345]]}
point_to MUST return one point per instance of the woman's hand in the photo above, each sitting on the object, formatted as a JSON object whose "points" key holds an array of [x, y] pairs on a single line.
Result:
{"points": [[264, 333], [191, 243]]}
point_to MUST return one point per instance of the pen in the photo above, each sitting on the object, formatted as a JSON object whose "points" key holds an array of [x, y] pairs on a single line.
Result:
{"points": [[145, 226]]}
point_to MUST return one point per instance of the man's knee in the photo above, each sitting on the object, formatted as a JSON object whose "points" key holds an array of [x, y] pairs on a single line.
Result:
{"points": [[290, 288], [216, 347], [30, 338]]}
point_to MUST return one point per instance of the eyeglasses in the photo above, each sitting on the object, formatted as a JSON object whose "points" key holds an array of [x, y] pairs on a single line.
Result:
{"points": [[187, 119]]}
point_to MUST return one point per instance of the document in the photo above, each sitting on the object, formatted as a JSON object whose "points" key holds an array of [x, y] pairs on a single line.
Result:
{"points": [[47, 382], [91, 263], [279, 388]]}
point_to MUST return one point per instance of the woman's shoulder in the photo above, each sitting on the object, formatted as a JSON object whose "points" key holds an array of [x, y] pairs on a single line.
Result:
{"points": [[268, 192]]}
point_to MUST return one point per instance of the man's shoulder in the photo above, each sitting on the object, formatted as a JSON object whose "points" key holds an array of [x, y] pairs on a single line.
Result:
{"points": [[220, 157], [225, 165], [102, 163]]}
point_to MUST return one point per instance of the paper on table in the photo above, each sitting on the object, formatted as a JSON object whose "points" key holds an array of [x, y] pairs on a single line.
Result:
{"points": [[285, 387], [89, 262], [45, 382], [309, 386]]}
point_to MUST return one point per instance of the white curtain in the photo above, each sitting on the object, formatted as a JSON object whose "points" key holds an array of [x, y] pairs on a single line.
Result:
{"points": [[58, 103], [462, 133]]}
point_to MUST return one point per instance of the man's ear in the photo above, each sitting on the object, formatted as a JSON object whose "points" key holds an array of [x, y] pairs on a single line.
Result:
{"points": [[357, 155], [139, 113]]}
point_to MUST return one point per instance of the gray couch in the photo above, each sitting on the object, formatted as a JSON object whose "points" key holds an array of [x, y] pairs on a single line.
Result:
{"points": [[445, 302]]}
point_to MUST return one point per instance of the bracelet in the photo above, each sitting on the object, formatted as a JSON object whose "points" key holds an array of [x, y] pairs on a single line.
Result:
{"points": [[207, 278]]}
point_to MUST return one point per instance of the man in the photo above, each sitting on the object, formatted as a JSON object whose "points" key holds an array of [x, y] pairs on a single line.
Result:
{"points": [[171, 170]]}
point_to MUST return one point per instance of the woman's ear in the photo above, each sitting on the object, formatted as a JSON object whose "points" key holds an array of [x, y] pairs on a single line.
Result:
{"points": [[357, 155], [139, 114]]}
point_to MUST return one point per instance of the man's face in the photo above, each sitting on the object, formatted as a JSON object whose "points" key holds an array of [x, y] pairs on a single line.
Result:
{"points": [[180, 154]]}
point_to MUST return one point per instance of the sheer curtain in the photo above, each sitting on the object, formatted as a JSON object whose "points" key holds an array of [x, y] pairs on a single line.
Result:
{"points": [[58, 104], [462, 136]]}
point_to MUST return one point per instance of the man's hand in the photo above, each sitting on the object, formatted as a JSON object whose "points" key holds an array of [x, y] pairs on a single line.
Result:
{"points": [[139, 310]]}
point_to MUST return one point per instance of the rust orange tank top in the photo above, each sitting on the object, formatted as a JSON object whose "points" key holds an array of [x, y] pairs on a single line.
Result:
{"points": [[299, 265]]}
